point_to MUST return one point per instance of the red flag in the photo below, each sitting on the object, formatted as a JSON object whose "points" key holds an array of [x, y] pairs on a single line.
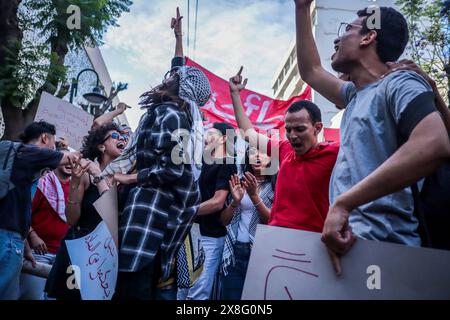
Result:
{"points": [[265, 113], [331, 135]]}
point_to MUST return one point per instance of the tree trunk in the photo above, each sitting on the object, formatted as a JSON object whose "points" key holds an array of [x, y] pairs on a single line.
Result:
{"points": [[9, 26], [60, 48], [16, 118], [14, 121], [447, 73], [10, 34]]}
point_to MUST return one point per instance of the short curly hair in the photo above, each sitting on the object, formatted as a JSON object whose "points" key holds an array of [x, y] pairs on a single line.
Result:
{"points": [[94, 139]]}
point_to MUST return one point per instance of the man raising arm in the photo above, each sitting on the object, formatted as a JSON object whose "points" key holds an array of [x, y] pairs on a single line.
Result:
{"points": [[309, 64], [250, 135], [391, 135], [300, 202]]}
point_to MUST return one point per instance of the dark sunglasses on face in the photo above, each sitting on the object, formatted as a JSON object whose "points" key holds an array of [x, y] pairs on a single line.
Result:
{"points": [[115, 136]]}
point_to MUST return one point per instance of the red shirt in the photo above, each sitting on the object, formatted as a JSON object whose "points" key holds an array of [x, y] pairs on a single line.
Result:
{"points": [[301, 192], [46, 222]]}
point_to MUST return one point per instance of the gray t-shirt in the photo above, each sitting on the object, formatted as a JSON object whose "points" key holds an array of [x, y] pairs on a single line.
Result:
{"points": [[378, 119]]}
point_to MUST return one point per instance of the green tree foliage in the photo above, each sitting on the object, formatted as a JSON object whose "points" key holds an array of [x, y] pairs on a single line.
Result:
{"points": [[28, 67], [429, 27]]}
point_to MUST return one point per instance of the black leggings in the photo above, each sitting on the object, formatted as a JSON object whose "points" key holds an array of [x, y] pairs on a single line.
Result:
{"points": [[139, 285]]}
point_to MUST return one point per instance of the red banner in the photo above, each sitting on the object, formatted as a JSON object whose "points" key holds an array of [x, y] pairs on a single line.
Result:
{"points": [[265, 113], [331, 135]]}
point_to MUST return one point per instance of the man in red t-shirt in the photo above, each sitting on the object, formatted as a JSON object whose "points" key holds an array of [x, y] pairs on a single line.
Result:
{"points": [[48, 226], [301, 193]]}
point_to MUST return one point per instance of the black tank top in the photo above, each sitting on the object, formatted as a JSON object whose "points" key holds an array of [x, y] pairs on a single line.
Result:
{"points": [[89, 217]]}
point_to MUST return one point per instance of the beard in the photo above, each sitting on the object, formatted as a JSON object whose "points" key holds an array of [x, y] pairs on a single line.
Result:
{"points": [[343, 63], [339, 66]]}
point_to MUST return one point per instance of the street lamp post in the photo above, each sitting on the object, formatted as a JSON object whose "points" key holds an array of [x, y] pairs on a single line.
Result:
{"points": [[95, 97]]}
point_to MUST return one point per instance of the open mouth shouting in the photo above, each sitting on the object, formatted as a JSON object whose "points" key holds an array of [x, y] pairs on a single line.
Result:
{"points": [[120, 145]]}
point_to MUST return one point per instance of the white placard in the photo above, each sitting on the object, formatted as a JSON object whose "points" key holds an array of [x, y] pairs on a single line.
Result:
{"points": [[71, 123], [288, 264], [96, 258]]}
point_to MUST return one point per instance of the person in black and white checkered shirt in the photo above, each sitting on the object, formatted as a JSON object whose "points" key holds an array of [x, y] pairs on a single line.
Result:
{"points": [[161, 208]]}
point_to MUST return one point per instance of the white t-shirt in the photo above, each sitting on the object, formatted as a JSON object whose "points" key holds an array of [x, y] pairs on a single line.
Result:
{"points": [[246, 216]]}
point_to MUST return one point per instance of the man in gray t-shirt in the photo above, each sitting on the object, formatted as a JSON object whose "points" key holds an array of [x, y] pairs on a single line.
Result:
{"points": [[391, 134], [379, 117]]}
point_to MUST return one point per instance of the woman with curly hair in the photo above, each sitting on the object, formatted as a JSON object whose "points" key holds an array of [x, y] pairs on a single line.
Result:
{"points": [[100, 147]]}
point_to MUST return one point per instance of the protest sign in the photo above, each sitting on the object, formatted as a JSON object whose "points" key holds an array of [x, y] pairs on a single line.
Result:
{"points": [[288, 264], [96, 258], [107, 208], [71, 123]]}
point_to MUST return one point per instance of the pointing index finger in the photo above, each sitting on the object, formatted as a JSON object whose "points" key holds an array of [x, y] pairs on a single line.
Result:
{"points": [[240, 70], [336, 262]]}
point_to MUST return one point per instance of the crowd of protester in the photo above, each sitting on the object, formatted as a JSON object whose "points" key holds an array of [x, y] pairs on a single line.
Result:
{"points": [[394, 133]]}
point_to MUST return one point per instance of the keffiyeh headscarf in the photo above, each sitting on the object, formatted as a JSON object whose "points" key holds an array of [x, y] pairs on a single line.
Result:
{"points": [[51, 188], [195, 90]]}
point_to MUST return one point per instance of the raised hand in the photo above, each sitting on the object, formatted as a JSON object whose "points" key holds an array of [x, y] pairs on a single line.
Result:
{"points": [[237, 192], [303, 3], [176, 24], [79, 168], [250, 184], [121, 107], [236, 84]]}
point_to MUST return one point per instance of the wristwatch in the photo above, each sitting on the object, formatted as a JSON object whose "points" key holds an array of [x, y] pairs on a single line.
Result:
{"points": [[97, 179]]}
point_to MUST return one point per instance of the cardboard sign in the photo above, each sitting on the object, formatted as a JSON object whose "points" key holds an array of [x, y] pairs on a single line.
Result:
{"points": [[71, 123], [96, 258], [107, 208], [288, 264]]}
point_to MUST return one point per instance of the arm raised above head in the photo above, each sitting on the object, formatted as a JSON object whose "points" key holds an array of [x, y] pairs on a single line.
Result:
{"points": [[308, 59]]}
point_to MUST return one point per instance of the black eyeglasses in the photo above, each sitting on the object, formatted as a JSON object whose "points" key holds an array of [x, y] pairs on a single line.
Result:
{"points": [[345, 27], [114, 135]]}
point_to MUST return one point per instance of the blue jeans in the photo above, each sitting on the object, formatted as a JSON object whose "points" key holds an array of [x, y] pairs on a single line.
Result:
{"points": [[232, 284], [11, 260], [202, 288]]}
